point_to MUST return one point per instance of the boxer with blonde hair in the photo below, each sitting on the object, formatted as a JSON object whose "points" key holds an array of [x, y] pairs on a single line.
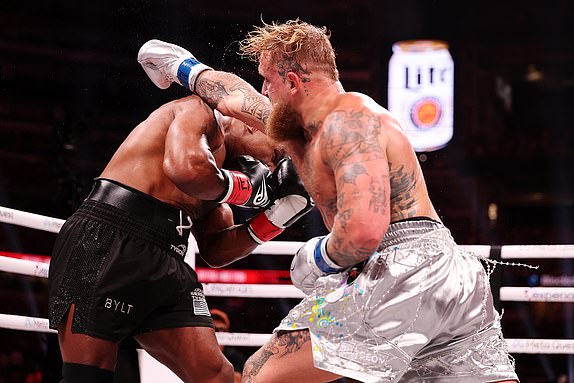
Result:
{"points": [[390, 295]]}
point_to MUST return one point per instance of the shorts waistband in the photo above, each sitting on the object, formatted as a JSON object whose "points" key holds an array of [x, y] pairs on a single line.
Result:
{"points": [[134, 201], [408, 230], [138, 214]]}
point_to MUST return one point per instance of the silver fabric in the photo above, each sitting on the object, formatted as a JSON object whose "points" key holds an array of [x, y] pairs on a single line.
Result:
{"points": [[420, 310]]}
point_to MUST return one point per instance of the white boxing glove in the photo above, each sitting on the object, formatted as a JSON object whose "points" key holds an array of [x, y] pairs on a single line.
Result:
{"points": [[290, 202], [165, 63], [312, 262]]}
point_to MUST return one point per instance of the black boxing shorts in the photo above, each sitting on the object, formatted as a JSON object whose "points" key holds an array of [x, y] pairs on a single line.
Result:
{"points": [[119, 260]]}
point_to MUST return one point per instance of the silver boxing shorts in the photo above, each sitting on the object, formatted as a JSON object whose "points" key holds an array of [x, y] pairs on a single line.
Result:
{"points": [[421, 310]]}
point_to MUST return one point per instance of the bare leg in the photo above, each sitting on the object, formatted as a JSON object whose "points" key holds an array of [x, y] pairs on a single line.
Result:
{"points": [[85, 349], [285, 358], [192, 353]]}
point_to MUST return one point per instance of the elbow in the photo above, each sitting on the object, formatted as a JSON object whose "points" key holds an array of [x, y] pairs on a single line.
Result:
{"points": [[179, 172], [223, 107], [191, 175], [212, 259], [364, 241], [170, 169], [214, 264]]}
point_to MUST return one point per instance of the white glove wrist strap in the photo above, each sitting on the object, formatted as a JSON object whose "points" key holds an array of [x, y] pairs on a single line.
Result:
{"points": [[188, 71], [322, 260]]}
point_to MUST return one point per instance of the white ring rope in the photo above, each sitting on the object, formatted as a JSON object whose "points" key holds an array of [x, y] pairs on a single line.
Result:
{"points": [[541, 346], [536, 251], [40, 222], [507, 293], [515, 346], [17, 322], [525, 294], [251, 291], [25, 267], [31, 220], [537, 294]]}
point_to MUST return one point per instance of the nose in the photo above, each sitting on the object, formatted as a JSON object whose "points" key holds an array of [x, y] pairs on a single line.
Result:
{"points": [[264, 89]]}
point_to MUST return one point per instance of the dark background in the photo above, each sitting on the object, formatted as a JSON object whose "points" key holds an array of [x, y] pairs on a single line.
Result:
{"points": [[71, 90]]}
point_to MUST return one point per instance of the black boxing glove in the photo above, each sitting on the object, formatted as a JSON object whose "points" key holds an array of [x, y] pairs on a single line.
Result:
{"points": [[247, 185], [291, 202]]}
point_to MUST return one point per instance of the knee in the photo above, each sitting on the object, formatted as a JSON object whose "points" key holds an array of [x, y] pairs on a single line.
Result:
{"points": [[220, 370], [226, 372]]}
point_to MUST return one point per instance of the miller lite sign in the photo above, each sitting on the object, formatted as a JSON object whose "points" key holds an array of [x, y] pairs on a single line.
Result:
{"points": [[421, 92]]}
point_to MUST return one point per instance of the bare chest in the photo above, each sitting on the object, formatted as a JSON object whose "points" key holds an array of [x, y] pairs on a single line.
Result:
{"points": [[319, 182]]}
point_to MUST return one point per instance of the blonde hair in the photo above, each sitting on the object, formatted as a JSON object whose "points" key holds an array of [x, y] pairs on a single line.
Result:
{"points": [[305, 46]]}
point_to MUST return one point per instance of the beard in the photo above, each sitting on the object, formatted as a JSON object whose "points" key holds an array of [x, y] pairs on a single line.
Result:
{"points": [[284, 124]]}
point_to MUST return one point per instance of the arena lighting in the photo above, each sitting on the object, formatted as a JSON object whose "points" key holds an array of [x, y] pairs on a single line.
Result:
{"points": [[421, 92]]}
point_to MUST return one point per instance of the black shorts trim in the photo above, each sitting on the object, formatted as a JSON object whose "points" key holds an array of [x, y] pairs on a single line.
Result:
{"points": [[421, 218]]}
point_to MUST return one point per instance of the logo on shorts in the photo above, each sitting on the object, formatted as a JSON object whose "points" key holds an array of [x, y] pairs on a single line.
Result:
{"points": [[179, 249], [118, 306], [199, 303]]}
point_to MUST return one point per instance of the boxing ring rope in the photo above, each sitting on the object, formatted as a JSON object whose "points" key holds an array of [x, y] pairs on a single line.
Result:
{"points": [[518, 294]]}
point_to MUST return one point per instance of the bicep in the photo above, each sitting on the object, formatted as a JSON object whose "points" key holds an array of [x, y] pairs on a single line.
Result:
{"points": [[358, 160], [188, 158], [185, 136], [363, 190], [355, 151]]}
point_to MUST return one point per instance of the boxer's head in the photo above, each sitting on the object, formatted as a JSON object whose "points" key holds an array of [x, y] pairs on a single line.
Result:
{"points": [[294, 48]]}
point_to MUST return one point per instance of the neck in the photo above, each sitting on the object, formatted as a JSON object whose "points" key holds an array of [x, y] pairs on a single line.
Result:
{"points": [[317, 103]]}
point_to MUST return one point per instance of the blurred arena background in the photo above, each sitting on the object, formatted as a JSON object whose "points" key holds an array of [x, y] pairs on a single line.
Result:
{"points": [[71, 90]]}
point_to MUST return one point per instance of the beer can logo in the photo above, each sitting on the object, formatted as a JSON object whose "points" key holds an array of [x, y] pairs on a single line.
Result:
{"points": [[421, 92], [426, 112]]}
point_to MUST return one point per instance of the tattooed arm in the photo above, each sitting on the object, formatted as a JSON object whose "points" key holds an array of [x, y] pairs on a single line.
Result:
{"points": [[361, 172], [234, 97]]}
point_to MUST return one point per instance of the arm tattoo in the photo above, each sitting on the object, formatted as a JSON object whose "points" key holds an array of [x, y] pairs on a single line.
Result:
{"points": [[378, 196], [254, 104], [278, 346], [343, 214], [350, 175], [352, 133], [211, 92], [402, 192], [352, 139], [349, 253]]}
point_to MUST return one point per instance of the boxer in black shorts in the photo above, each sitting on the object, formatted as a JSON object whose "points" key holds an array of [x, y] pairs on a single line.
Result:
{"points": [[136, 281], [117, 267]]}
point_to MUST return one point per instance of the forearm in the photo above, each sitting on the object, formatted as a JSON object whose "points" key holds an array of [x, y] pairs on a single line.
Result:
{"points": [[205, 186], [165, 63], [227, 246], [196, 174], [349, 247], [233, 97]]}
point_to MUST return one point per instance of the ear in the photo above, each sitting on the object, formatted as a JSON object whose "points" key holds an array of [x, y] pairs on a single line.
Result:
{"points": [[294, 82]]}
